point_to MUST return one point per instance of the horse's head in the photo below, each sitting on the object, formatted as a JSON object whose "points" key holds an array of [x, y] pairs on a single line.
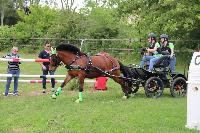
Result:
{"points": [[54, 60]]}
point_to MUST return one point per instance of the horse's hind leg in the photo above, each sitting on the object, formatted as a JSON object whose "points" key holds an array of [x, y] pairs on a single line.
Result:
{"points": [[59, 90], [124, 88]]}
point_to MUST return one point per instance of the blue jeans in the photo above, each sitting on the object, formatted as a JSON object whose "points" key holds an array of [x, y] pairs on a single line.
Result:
{"points": [[145, 58], [152, 62], [45, 72], [172, 63], [9, 80]]}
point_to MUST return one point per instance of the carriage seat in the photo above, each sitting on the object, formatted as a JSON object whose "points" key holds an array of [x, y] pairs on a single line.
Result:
{"points": [[163, 62]]}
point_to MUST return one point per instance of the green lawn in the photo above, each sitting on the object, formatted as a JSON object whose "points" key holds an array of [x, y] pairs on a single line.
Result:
{"points": [[100, 112]]}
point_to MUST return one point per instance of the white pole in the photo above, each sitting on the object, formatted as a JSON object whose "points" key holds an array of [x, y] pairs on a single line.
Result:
{"points": [[33, 76], [24, 60], [47, 81], [82, 41], [34, 81]]}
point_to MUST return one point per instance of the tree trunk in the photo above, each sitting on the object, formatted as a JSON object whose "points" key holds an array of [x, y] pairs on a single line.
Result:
{"points": [[2, 16], [71, 4], [62, 4]]}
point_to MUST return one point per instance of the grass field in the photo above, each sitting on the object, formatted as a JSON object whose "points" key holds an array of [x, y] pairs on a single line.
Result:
{"points": [[100, 112]]}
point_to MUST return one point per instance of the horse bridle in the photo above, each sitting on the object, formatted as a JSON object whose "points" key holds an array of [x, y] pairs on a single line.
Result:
{"points": [[56, 60]]}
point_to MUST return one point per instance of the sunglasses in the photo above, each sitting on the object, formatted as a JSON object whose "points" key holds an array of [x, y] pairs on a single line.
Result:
{"points": [[48, 46]]}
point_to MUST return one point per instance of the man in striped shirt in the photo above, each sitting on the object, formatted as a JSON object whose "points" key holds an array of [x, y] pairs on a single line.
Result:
{"points": [[13, 68]]}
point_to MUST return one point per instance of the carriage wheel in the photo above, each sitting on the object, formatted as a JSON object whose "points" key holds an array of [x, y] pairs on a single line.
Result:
{"points": [[154, 87], [178, 87]]}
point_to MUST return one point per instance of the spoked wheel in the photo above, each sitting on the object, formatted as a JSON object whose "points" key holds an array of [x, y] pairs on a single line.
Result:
{"points": [[154, 87], [178, 87]]}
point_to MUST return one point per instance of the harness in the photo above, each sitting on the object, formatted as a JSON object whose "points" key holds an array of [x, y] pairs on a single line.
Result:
{"points": [[106, 56], [89, 65], [70, 66]]}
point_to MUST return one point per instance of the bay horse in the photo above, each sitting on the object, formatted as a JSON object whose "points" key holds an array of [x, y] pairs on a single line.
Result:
{"points": [[83, 66]]}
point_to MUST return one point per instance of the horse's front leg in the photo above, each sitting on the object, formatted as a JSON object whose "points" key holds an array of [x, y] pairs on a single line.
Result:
{"points": [[81, 84], [59, 90], [124, 87]]}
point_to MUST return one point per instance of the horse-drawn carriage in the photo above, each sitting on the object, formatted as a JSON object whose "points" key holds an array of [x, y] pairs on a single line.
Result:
{"points": [[83, 66], [154, 82]]}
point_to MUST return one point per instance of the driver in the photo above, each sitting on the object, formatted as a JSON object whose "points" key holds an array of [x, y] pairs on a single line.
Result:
{"points": [[151, 50]]}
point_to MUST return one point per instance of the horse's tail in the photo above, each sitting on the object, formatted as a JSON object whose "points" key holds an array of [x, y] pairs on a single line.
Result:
{"points": [[125, 70]]}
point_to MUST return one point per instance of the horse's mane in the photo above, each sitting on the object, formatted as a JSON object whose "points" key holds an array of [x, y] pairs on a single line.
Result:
{"points": [[69, 47]]}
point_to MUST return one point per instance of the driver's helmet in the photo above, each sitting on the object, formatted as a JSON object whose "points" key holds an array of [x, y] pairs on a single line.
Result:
{"points": [[152, 35], [165, 36]]}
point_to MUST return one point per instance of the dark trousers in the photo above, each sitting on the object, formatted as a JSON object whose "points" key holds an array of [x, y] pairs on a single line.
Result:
{"points": [[45, 72]]}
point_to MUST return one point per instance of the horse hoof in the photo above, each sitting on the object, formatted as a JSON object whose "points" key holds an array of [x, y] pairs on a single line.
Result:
{"points": [[54, 96], [124, 97], [78, 101]]}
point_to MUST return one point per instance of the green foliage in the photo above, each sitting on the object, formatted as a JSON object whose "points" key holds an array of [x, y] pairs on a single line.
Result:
{"points": [[38, 22], [179, 19], [67, 25], [8, 12], [104, 20]]}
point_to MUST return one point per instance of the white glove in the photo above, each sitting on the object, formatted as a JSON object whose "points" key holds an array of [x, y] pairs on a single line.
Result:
{"points": [[43, 67]]}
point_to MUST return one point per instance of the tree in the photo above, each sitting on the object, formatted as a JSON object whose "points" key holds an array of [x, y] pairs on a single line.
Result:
{"points": [[8, 12], [2, 10], [180, 19]]}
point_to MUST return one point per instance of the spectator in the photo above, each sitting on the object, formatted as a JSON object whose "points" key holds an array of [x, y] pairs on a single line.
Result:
{"points": [[45, 54], [13, 68], [151, 50]]}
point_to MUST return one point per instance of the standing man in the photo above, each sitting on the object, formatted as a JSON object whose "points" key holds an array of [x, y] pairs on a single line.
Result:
{"points": [[13, 68], [45, 54], [151, 50]]}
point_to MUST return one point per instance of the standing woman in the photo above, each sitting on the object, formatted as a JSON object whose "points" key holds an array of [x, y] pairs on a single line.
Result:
{"points": [[13, 68]]}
